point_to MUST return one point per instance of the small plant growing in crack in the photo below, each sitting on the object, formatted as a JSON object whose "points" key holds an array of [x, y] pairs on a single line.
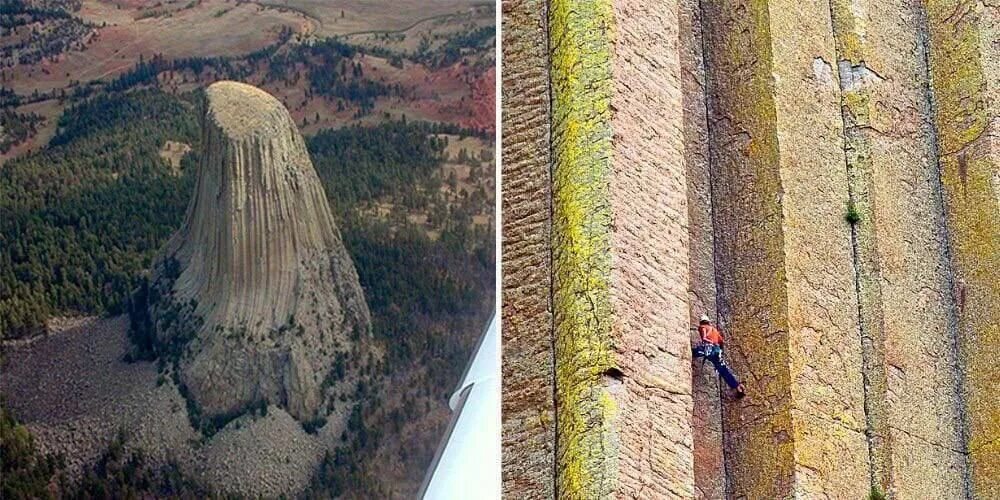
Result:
{"points": [[875, 494], [852, 216]]}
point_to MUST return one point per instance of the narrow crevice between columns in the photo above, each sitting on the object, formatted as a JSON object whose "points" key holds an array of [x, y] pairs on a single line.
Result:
{"points": [[546, 8], [698, 31], [860, 215], [954, 328]]}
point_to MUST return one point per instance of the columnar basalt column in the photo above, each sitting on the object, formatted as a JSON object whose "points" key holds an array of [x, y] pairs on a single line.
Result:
{"points": [[706, 423], [254, 297], [906, 308], [964, 64], [528, 377], [620, 252], [783, 252]]}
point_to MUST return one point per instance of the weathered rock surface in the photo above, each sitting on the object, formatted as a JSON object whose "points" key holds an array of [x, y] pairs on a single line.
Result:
{"points": [[528, 377], [964, 69], [907, 312], [848, 244], [257, 294], [706, 419], [784, 260], [620, 252]]}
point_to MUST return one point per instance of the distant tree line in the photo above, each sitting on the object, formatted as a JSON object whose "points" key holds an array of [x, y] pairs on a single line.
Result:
{"points": [[15, 13], [458, 45], [332, 72], [9, 98]]}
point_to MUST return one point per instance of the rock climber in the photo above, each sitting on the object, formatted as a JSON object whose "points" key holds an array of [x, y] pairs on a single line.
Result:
{"points": [[710, 348]]}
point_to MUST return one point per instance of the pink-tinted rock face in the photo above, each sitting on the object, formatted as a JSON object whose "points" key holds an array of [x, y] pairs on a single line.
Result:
{"points": [[817, 176], [706, 418], [964, 65]]}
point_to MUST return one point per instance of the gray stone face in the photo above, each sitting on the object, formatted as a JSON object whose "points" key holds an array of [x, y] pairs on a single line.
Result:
{"points": [[258, 296]]}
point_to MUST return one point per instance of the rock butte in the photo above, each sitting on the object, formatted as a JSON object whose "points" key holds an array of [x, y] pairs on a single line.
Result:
{"points": [[258, 289], [667, 159]]}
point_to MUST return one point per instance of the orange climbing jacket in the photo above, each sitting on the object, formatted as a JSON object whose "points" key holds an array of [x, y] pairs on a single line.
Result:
{"points": [[709, 333]]}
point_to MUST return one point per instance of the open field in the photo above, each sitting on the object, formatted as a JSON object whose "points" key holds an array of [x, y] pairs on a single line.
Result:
{"points": [[432, 31], [172, 152], [343, 17], [211, 28], [128, 31], [49, 110]]}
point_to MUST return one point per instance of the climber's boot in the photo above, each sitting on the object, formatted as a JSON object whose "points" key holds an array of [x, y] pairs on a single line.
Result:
{"points": [[740, 391]]}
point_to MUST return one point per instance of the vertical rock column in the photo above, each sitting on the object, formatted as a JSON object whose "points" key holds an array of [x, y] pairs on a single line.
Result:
{"points": [[528, 377], [964, 64], [620, 252], [906, 307], [783, 252], [706, 423]]}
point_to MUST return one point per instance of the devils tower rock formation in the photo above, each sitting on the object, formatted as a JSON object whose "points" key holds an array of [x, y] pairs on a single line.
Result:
{"points": [[255, 299]]}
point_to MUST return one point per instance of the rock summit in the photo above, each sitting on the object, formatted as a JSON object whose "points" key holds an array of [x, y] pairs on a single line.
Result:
{"points": [[255, 299]]}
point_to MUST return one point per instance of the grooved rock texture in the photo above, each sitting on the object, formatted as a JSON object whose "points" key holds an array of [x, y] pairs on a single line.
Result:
{"points": [[258, 289], [820, 176], [964, 66], [706, 422], [913, 402], [623, 383], [783, 252], [528, 407], [649, 253]]}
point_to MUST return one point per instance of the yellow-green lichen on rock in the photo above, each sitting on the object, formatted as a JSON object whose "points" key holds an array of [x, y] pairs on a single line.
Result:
{"points": [[848, 32], [750, 270], [581, 41], [968, 161], [825, 385]]}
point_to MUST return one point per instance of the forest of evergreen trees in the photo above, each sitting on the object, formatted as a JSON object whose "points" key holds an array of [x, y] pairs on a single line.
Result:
{"points": [[456, 46], [80, 220], [53, 29], [16, 127]]}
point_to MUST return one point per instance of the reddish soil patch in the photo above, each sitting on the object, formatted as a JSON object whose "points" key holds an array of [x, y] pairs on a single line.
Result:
{"points": [[475, 104], [212, 28], [484, 101]]}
